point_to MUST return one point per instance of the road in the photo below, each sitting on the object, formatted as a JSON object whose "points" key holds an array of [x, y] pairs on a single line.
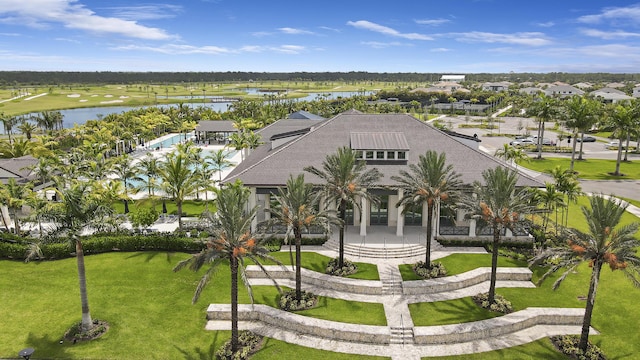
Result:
{"points": [[515, 125]]}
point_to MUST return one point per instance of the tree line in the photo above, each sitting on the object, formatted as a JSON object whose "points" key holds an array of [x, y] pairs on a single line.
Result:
{"points": [[12, 78]]}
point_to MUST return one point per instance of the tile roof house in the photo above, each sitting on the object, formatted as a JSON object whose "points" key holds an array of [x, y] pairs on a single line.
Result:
{"points": [[496, 86], [610, 95], [563, 90], [388, 142], [17, 168]]}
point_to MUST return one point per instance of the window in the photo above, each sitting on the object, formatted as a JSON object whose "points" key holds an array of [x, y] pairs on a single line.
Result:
{"points": [[402, 155], [358, 154], [369, 154], [380, 155], [391, 155]]}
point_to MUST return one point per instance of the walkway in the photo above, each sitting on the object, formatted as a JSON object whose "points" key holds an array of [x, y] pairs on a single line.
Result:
{"points": [[399, 321]]}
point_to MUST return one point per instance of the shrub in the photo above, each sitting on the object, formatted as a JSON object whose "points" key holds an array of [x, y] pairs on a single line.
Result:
{"points": [[436, 270], [248, 343], [347, 269], [288, 301], [568, 345], [500, 304]]}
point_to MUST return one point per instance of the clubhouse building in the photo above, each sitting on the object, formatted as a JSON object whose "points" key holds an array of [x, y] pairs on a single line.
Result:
{"points": [[388, 142]]}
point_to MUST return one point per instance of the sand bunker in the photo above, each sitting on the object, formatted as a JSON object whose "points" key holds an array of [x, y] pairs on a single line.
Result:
{"points": [[111, 102], [108, 95], [123, 97], [73, 95], [83, 100], [94, 95]]}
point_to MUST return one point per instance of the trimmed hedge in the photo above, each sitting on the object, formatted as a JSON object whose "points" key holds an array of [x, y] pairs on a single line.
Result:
{"points": [[485, 243], [103, 243]]}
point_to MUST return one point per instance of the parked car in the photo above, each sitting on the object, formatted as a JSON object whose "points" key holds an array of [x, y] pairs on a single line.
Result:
{"points": [[613, 144], [522, 142], [586, 139]]}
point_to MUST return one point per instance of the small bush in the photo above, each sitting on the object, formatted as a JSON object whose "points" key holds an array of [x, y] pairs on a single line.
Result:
{"points": [[568, 345], [248, 344], [436, 270], [347, 269], [288, 301], [74, 334], [500, 304]]}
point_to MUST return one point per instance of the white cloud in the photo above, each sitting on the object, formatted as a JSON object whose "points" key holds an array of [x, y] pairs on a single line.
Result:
{"points": [[382, 45], [523, 38], [440, 50], [629, 14], [145, 12], [261, 33], [73, 15], [294, 31], [289, 49], [608, 35], [367, 25], [175, 49], [547, 24], [432, 22]]}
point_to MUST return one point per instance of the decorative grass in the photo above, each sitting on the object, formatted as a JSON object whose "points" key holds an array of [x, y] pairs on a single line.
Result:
{"points": [[142, 299], [591, 169], [460, 263]]}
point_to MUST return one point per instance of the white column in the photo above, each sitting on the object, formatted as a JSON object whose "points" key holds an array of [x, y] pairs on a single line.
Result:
{"points": [[267, 205], [364, 215], [251, 204], [472, 228], [400, 222]]}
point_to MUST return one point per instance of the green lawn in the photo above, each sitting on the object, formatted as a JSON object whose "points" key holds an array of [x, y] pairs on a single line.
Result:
{"points": [[145, 303], [460, 263], [590, 169], [318, 263], [192, 208]]}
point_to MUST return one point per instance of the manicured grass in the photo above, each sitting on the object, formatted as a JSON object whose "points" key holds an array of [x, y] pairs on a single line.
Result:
{"points": [[577, 220], [318, 263], [460, 263], [142, 299], [448, 312], [591, 169]]}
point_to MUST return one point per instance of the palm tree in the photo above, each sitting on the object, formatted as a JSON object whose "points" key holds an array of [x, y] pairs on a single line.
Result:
{"points": [[621, 117], [429, 181], [125, 171], [346, 180], [511, 154], [81, 205], [219, 160], [552, 199], [27, 129], [231, 241], [178, 180], [148, 166], [8, 123], [567, 183], [500, 205], [580, 115], [296, 209], [14, 196], [604, 243], [543, 109]]}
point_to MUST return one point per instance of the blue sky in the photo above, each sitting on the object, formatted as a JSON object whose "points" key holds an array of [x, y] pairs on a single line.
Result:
{"points": [[452, 36]]}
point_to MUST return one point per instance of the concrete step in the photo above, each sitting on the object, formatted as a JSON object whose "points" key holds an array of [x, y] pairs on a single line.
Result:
{"points": [[402, 336], [378, 252]]}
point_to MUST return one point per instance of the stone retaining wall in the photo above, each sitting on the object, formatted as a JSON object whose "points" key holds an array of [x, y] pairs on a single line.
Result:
{"points": [[491, 328], [460, 281], [303, 324], [357, 286]]}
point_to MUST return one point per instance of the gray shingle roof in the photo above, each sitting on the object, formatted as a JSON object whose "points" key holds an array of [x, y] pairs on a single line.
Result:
{"points": [[378, 141], [272, 167]]}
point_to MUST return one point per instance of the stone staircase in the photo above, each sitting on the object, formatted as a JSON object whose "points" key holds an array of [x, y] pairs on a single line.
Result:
{"points": [[401, 336], [392, 287], [380, 251]]}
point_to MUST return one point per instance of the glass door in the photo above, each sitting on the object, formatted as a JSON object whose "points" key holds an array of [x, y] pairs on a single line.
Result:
{"points": [[380, 211]]}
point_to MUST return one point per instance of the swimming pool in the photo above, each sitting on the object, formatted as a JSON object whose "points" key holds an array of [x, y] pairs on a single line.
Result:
{"points": [[168, 142]]}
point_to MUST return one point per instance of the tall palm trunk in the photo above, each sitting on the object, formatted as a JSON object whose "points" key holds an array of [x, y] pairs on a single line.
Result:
{"points": [[427, 258], [591, 300], [540, 138], [618, 159], [494, 264], [234, 304], [179, 206], [343, 217], [581, 145], [573, 150], [298, 236], [87, 323]]}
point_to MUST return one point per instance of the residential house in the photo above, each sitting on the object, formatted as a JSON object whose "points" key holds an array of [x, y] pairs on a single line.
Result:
{"points": [[563, 91]]}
